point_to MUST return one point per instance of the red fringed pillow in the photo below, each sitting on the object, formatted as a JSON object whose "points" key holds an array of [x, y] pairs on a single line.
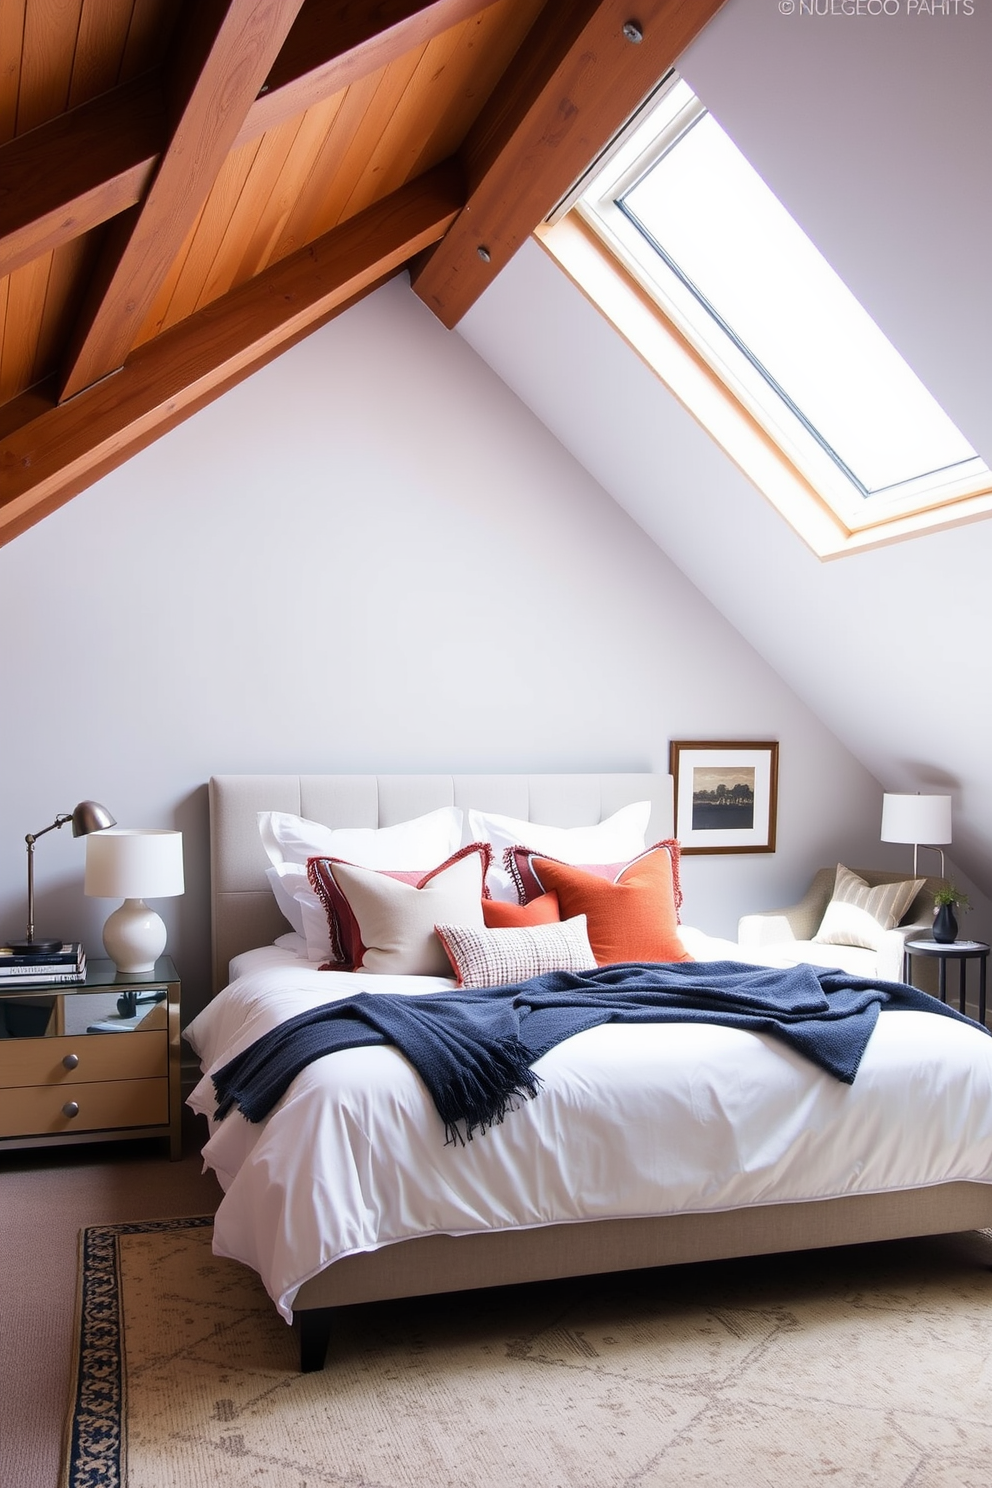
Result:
{"points": [[347, 946]]}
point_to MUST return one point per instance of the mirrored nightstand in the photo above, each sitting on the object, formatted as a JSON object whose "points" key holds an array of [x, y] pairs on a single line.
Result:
{"points": [[94, 1061]]}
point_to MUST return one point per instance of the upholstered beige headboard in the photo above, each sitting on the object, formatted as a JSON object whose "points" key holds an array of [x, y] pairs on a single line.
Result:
{"points": [[244, 913]]}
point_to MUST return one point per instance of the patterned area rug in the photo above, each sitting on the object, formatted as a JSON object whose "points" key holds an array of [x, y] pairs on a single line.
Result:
{"points": [[871, 1365]]}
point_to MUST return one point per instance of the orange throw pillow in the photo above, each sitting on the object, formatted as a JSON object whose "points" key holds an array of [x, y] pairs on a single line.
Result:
{"points": [[540, 911], [632, 918]]}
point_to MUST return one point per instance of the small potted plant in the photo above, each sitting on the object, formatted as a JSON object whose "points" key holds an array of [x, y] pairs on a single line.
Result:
{"points": [[946, 899]]}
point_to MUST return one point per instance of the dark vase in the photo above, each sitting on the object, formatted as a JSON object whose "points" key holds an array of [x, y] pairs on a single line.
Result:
{"points": [[945, 926]]}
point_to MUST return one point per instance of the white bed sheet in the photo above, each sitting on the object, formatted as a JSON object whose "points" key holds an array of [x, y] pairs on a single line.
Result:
{"points": [[631, 1120]]}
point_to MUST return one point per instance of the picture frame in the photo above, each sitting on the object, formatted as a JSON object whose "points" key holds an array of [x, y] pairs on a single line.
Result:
{"points": [[726, 794]]}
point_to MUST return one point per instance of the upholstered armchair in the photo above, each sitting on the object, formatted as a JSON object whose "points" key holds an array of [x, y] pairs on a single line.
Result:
{"points": [[786, 936]]}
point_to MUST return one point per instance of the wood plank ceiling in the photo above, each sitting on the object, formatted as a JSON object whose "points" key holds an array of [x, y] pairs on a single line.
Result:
{"points": [[187, 187]]}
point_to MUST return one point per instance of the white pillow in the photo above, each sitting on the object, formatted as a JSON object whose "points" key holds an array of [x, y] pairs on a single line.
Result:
{"points": [[292, 942], [292, 892], [859, 915], [285, 881], [418, 843], [315, 930], [396, 920], [290, 840], [616, 840]]}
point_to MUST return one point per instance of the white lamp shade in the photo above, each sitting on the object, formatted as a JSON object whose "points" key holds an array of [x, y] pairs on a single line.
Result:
{"points": [[134, 863], [917, 819]]}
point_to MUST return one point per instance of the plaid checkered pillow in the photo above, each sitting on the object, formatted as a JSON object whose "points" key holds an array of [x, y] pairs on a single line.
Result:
{"points": [[495, 958]]}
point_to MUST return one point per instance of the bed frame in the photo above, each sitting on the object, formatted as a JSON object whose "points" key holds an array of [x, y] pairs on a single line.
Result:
{"points": [[244, 915]]}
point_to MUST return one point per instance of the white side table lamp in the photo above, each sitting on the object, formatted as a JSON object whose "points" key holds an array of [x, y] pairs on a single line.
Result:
{"points": [[925, 821], [134, 864]]}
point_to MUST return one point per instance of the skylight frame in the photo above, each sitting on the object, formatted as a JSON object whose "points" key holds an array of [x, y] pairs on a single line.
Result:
{"points": [[599, 204]]}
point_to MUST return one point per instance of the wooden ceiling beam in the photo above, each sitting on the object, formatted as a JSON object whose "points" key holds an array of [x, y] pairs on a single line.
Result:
{"points": [[68, 447], [93, 163], [334, 43], [575, 81], [68, 176], [220, 65]]}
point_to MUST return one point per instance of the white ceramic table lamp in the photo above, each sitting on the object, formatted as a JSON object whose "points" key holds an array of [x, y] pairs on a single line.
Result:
{"points": [[134, 864]]}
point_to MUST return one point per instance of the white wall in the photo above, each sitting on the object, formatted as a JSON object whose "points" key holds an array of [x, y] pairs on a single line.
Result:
{"points": [[875, 133], [368, 557]]}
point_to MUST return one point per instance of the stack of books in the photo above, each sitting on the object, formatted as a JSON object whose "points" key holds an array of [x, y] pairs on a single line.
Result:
{"points": [[51, 968]]}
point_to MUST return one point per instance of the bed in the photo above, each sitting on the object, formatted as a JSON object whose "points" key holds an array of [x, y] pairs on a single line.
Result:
{"points": [[550, 1192]]}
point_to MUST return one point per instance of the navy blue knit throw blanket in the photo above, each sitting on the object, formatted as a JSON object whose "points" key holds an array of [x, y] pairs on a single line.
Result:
{"points": [[474, 1049]]}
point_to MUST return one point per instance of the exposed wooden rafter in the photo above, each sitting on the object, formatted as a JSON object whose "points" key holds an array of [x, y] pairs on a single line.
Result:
{"points": [[91, 164], [66, 448], [205, 149], [575, 81], [219, 68], [83, 168], [335, 42]]}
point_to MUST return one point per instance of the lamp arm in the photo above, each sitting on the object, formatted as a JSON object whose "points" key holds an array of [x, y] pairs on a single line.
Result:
{"points": [[60, 821], [31, 839], [931, 847]]}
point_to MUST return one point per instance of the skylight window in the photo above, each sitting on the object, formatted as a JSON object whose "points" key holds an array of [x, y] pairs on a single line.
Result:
{"points": [[691, 220]]}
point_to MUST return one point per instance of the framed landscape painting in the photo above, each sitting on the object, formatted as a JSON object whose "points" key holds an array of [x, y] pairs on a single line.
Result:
{"points": [[726, 795]]}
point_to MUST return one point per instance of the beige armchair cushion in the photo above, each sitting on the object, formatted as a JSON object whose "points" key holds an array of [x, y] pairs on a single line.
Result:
{"points": [[860, 913]]}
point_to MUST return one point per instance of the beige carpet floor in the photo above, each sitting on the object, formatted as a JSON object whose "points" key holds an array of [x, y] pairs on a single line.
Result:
{"points": [[865, 1366], [46, 1194]]}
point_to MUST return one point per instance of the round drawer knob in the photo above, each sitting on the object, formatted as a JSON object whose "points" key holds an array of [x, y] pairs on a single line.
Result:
{"points": [[70, 1061], [71, 1108]]}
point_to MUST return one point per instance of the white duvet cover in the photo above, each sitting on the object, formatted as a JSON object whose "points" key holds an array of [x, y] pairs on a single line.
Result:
{"points": [[630, 1120]]}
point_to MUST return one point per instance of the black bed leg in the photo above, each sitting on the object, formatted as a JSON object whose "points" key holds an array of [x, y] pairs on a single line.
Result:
{"points": [[315, 1334]]}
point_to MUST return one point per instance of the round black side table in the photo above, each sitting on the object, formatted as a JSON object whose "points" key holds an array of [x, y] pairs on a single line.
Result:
{"points": [[961, 951]]}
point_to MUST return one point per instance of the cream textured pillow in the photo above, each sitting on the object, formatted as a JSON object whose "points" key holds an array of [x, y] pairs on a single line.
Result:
{"points": [[396, 920], [859, 915], [493, 958]]}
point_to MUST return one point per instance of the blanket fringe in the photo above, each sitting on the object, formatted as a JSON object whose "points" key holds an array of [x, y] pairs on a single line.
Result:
{"points": [[475, 1102]]}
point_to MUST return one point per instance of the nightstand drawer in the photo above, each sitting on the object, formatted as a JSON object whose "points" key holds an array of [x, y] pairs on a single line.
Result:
{"points": [[91, 1057], [41, 1110]]}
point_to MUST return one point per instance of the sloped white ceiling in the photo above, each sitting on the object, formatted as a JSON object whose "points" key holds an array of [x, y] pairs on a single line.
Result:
{"points": [[873, 131]]}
